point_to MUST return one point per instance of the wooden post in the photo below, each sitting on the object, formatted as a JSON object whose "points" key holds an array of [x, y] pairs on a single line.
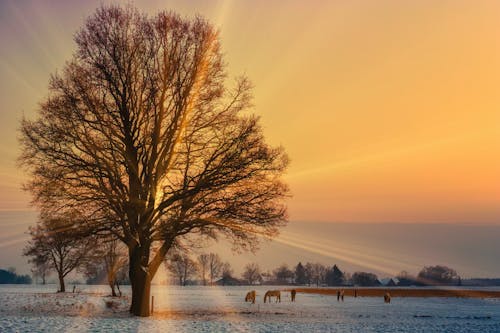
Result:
{"points": [[152, 304]]}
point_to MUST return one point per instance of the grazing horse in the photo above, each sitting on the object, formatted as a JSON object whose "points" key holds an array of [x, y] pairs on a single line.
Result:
{"points": [[293, 292], [273, 293], [250, 297], [387, 298]]}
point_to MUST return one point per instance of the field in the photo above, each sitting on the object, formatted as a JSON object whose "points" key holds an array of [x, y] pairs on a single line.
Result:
{"points": [[221, 309]]}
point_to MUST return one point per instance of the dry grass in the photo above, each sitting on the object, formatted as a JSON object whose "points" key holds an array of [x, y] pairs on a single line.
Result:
{"points": [[403, 292]]}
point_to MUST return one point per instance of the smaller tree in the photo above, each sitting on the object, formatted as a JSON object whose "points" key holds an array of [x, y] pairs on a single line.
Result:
{"points": [[405, 279], [56, 239], [365, 279], [318, 273], [300, 274], [252, 273], [227, 275], [309, 273], [214, 266], [283, 274], [334, 276], [226, 270], [440, 275], [41, 268], [203, 265], [182, 267], [109, 258]]}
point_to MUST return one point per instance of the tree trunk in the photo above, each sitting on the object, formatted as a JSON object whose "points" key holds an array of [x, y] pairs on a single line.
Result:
{"points": [[62, 287], [140, 281], [118, 287], [112, 286], [111, 283]]}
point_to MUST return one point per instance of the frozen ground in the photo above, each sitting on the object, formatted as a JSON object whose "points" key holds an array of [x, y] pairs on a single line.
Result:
{"points": [[221, 309]]}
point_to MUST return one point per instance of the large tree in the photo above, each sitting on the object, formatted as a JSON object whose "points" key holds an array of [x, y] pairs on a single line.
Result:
{"points": [[140, 129]]}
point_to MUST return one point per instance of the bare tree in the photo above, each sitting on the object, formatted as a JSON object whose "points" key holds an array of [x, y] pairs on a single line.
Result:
{"points": [[41, 267], [203, 264], [140, 123], [227, 274], [315, 273], [182, 267], [214, 266], [252, 273], [309, 273], [109, 256], [438, 275], [226, 271], [53, 239], [283, 274]]}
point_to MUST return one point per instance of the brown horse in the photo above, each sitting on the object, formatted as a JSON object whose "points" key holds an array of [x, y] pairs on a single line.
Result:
{"points": [[387, 298], [273, 293], [250, 297]]}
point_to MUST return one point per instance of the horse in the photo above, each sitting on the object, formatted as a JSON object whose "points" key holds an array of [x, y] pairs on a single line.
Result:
{"points": [[273, 293], [293, 292], [387, 298], [250, 297]]}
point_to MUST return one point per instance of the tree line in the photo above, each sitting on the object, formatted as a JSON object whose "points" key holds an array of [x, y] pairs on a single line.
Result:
{"points": [[9, 276], [194, 271], [105, 261]]}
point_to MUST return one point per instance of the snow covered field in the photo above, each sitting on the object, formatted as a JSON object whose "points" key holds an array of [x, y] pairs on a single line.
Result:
{"points": [[221, 309]]}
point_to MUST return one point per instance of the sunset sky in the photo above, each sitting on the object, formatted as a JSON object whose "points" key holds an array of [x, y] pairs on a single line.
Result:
{"points": [[389, 110]]}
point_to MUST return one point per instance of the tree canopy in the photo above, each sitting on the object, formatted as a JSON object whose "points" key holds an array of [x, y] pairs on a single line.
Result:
{"points": [[141, 133]]}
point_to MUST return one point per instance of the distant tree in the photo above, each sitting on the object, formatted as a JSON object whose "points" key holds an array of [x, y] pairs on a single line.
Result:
{"points": [[405, 279], [9, 276], [40, 268], [334, 276], [309, 273], [440, 275], [56, 239], [227, 275], [347, 278], [267, 276], [110, 257], [364, 279], [318, 273], [252, 273], [283, 274], [203, 264], [226, 270], [300, 274], [141, 121], [214, 266], [182, 267]]}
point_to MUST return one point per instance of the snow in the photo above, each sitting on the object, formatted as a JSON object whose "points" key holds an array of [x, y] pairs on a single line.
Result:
{"points": [[222, 309]]}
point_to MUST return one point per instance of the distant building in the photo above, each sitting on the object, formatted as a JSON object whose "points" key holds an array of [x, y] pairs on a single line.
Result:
{"points": [[389, 282], [228, 281]]}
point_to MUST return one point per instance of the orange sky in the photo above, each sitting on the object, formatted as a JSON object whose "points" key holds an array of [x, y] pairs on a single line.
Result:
{"points": [[389, 110]]}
